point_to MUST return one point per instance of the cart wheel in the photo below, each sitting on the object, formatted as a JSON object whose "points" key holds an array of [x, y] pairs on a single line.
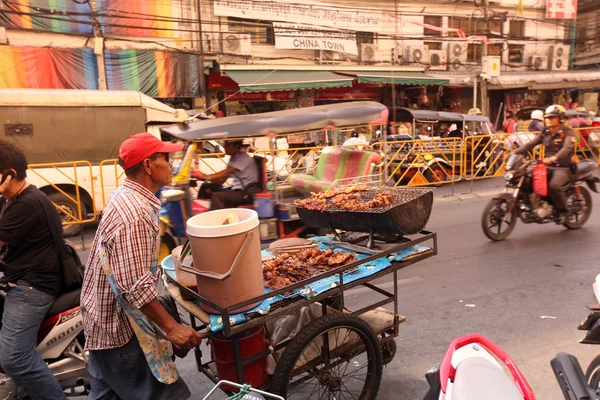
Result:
{"points": [[349, 367], [388, 350]]}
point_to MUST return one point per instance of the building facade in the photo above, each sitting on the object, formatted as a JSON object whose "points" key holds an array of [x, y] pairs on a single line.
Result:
{"points": [[253, 56]]}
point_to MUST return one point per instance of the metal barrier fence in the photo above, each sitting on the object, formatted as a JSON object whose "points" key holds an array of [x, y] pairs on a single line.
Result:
{"points": [[432, 161], [116, 172], [62, 183]]}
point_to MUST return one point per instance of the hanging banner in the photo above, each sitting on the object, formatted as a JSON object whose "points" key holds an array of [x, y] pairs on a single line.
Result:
{"points": [[302, 37], [149, 18], [34, 14], [561, 9], [288, 95], [160, 74], [307, 12], [46, 68]]}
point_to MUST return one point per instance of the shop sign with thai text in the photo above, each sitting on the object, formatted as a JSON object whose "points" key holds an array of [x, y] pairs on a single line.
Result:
{"points": [[305, 12], [303, 37], [288, 95], [561, 9]]}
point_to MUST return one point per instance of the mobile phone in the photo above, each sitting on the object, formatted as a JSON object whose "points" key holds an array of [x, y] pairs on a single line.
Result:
{"points": [[6, 174]]}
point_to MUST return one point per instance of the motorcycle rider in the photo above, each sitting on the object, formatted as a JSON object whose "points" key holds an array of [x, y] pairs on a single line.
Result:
{"points": [[537, 121], [559, 143]]}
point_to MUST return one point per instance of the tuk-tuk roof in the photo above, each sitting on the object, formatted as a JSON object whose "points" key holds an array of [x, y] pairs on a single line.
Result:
{"points": [[428, 115], [576, 113], [282, 122]]}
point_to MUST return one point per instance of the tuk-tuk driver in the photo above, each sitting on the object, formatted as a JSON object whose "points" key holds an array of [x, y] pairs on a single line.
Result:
{"points": [[246, 181]]}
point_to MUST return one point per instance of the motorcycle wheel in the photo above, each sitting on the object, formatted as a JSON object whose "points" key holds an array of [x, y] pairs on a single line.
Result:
{"points": [[579, 218], [592, 375], [494, 218]]}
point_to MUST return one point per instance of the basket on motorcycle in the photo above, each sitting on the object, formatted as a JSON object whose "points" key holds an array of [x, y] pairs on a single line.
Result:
{"points": [[408, 214]]}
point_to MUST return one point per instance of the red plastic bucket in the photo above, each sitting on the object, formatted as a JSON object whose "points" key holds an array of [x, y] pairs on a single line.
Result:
{"points": [[252, 342]]}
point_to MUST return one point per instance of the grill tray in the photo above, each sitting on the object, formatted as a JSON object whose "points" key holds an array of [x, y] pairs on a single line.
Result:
{"points": [[407, 215]]}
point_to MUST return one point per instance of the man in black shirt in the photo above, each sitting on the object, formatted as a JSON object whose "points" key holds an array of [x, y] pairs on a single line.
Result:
{"points": [[32, 274]]}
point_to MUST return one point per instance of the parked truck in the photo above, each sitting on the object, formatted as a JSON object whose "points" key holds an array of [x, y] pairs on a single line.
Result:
{"points": [[66, 136]]}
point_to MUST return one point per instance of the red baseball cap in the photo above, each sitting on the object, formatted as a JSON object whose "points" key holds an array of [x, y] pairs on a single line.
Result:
{"points": [[143, 145]]}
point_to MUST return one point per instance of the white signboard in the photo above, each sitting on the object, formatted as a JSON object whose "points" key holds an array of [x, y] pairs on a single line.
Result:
{"points": [[307, 12], [301, 37], [561, 9]]}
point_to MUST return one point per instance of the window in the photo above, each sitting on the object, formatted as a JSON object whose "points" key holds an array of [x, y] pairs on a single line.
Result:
{"points": [[517, 29], [365, 37], [435, 21], [460, 23], [434, 45], [474, 53], [261, 31], [495, 49], [515, 53], [477, 26]]}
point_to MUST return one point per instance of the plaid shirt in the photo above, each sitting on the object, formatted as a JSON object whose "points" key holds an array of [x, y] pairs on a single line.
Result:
{"points": [[128, 232]]}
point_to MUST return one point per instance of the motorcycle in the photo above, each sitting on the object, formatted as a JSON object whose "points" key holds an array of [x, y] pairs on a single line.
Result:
{"points": [[60, 343], [474, 368], [520, 200]]}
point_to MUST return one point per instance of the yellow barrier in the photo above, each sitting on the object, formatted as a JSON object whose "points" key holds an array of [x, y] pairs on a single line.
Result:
{"points": [[73, 210], [119, 174], [588, 144], [422, 162]]}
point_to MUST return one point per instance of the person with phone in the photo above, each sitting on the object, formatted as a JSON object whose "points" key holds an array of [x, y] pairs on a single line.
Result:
{"points": [[32, 275]]}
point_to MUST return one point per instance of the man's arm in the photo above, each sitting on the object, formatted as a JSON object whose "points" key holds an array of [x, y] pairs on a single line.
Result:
{"points": [[529, 146], [219, 177], [132, 254]]}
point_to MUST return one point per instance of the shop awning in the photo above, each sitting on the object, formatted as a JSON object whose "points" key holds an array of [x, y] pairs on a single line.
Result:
{"points": [[547, 80], [395, 77], [264, 81]]}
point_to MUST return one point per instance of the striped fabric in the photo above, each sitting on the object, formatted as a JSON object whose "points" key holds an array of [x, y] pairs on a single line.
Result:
{"points": [[47, 68], [336, 167], [159, 74], [147, 18], [47, 15]]}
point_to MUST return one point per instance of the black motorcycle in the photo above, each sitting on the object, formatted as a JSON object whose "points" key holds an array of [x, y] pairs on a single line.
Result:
{"points": [[519, 199]]}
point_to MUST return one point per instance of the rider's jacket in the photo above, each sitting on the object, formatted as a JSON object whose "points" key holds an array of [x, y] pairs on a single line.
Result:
{"points": [[560, 145]]}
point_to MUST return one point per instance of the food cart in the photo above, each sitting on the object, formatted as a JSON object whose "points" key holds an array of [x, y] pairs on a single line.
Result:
{"points": [[326, 350]]}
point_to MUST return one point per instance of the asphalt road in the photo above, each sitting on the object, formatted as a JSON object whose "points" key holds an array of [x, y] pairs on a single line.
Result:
{"points": [[540, 271]]}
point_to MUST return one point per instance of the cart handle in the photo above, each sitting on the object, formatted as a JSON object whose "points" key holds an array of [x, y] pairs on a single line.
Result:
{"points": [[217, 276]]}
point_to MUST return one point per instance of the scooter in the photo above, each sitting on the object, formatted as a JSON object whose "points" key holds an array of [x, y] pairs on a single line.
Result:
{"points": [[61, 344]]}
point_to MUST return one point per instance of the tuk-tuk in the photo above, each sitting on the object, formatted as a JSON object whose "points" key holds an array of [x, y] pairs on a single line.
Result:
{"points": [[431, 143], [280, 221]]}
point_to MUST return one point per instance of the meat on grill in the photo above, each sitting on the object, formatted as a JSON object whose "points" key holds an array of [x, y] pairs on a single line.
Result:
{"points": [[354, 198]]}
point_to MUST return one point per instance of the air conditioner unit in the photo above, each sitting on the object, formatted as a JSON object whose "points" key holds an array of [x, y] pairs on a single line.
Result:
{"points": [[458, 56], [437, 60], [559, 57], [3, 39], [418, 54], [367, 52], [538, 63], [236, 43], [399, 56], [327, 57]]}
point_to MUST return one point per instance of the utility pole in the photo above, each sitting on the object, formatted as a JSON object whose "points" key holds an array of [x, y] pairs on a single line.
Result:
{"points": [[484, 83], [201, 77]]}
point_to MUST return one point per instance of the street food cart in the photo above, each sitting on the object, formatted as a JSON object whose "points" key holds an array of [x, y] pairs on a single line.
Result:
{"points": [[304, 332]]}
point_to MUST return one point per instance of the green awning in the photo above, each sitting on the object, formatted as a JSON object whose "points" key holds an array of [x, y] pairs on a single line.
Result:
{"points": [[395, 77], [265, 81]]}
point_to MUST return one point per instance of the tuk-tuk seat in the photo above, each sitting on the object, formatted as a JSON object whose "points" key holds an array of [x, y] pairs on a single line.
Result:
{"points": [[337, 166]]}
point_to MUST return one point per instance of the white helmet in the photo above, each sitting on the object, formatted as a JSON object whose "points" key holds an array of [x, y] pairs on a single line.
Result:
{"points": [[537, 114]]}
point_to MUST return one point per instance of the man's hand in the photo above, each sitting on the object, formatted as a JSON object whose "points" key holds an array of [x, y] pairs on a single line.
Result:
{"points": [[184, 337], [199, 175], [5, 184], [548, 160]]}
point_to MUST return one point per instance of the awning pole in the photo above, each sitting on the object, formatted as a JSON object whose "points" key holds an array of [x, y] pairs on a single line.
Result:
{"points": [[475, 92]]}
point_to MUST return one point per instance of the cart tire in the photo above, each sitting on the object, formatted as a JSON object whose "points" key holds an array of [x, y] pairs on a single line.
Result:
{"points": [[388, 351], [329, 380]]}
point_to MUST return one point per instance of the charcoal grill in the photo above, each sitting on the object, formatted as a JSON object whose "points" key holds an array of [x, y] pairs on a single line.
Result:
{"points": [[408, 214]]}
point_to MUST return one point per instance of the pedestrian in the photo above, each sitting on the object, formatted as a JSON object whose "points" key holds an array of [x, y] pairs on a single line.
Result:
{"points": [[509, 123], [32, 275], [120, 295]]}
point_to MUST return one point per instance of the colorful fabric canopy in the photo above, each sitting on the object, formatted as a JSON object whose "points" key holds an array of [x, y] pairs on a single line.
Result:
{"points": [[159, 74], [47, 15], [47, 68], [148, 18]]}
